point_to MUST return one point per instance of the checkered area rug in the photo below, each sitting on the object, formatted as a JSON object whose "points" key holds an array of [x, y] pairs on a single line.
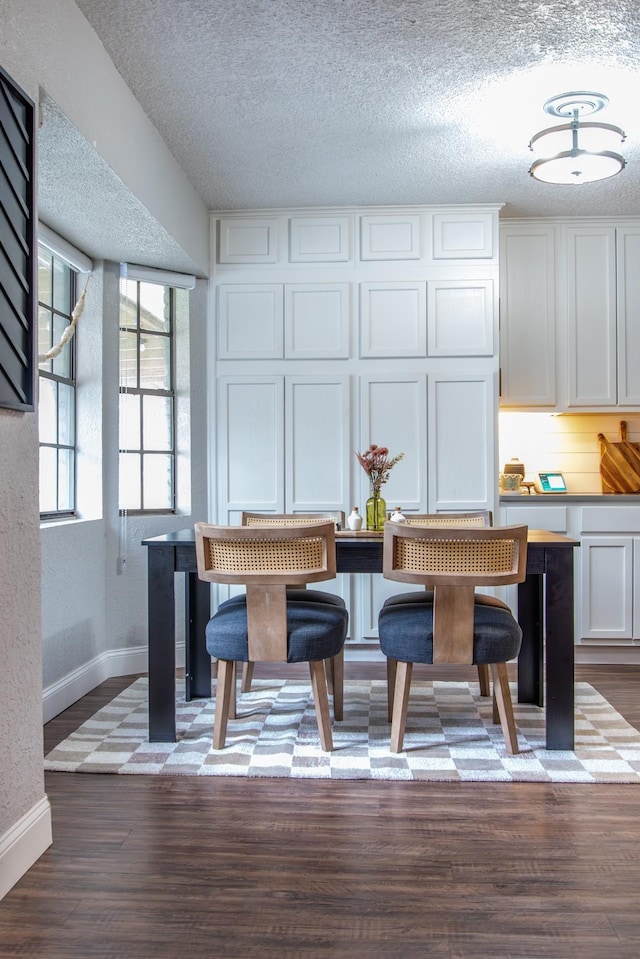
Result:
{"points": [[450, 736]]}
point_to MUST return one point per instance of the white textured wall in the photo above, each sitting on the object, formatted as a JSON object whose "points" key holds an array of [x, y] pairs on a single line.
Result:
{"points": [[48, 44], [21, 776]]}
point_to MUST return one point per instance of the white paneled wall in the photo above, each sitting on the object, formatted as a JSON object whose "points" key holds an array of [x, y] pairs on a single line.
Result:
{"points": [[338, 328]]}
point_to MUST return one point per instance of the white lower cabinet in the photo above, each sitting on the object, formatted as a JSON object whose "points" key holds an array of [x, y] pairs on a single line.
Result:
{"points": [[606, 564], [610, 573]]}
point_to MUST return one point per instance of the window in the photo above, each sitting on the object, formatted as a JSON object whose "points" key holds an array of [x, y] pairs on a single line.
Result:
{"points": [[147, 397], [57, 393]]}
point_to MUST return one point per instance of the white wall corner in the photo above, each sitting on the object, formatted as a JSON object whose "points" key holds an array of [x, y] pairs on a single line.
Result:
{"points": [[23, 844]]}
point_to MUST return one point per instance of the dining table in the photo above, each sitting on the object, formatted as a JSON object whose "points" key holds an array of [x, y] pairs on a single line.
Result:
{"points": [[545, 666]]}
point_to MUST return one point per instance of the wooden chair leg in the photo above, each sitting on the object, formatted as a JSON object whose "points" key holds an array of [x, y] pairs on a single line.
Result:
{"points": [[483, 679], [224, 692], [336, 673], [400, 704], [391, 682], [247, 677], [502, 695], [321, 700]]}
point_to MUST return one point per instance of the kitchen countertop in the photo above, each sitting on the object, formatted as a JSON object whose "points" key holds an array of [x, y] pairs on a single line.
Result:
{"points": [[609, 499]]}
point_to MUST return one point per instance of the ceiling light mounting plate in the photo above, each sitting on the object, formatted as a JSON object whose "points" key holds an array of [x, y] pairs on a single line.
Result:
{"points": [[585, 104]]}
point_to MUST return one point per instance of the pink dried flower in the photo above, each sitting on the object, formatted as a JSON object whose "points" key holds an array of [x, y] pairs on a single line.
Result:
{"points": [[377, 465]]}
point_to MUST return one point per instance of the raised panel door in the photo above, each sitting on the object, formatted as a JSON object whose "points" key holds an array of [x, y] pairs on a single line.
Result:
{"points": [[248, 240], [250, 448], [393, 413], [318, 443], [527, 316], [628, 248], [460, 318], [251, 321], [317, 320], [607, 587], [393, 319], [461, 434], [591, 303]]}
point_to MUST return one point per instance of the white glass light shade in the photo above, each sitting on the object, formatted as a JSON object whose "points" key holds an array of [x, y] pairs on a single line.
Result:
{"points": [[594, 137], [577, 166]]}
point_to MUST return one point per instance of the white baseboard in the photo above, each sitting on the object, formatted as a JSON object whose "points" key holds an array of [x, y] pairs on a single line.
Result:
{"points": [[76, 684], [124, 662], [24, 843], [608, 655]]}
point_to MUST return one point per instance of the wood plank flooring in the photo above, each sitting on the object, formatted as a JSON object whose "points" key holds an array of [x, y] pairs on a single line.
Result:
{"points": [[153, 867]]}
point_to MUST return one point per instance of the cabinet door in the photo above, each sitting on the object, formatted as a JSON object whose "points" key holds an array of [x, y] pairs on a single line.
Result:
{"points": [[527, 316], [607, 587], [461, 435], [250, 445], [318, 443], [460, 318], [393, 413], [591, 302], [628, 248]]}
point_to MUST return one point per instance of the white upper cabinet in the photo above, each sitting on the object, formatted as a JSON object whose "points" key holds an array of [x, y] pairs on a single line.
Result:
{"points": [[628, 288], [320, 239], [393, 319], [461, 318], [317, 320], [569, 302], [250, 321], [467, 235], [248, 240], [389, 237], [591, 316], [527, 316]]}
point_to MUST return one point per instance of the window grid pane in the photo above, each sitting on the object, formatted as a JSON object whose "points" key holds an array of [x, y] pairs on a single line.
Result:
{"points": [[57, 401], [147, 415]]}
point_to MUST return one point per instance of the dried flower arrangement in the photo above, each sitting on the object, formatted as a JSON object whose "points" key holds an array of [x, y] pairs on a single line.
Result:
{"points": [[377, 465]]}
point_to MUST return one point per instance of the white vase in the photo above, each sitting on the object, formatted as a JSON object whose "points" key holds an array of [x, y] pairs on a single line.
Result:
{"points": [[354, 520]]}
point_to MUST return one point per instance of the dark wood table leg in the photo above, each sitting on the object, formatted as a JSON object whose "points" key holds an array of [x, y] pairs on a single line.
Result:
{"points": [[560, 650], [162, 646], [531, 658], [197, 660]]}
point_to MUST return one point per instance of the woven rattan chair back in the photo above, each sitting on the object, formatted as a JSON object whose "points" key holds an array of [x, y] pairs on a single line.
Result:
{"points": [[281, 554], [292, 519], [455, 556], [473, 520]]}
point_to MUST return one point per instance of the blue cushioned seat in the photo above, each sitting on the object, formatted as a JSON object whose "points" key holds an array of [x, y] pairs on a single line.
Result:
{"points": [[406, 632], [316, 630]]}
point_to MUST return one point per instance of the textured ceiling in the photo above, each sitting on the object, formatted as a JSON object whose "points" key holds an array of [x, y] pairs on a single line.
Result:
{"points": [[272, 103]]}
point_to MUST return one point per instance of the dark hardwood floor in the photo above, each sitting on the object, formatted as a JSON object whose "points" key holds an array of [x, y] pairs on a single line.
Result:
{"points": [[147, 867]]}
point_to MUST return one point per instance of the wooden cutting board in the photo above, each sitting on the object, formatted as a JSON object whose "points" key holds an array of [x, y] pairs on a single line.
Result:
{"points": [[619, 463]]}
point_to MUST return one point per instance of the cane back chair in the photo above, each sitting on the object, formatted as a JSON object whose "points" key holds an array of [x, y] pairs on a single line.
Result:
{"points": [[336, 666], [454, 627], [264, 624], [472, 520]]}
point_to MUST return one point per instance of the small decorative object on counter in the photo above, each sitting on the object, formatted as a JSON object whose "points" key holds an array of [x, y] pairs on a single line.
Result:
{"points": [[514, 466], [377, 465], [354, 520], [397, 516]]}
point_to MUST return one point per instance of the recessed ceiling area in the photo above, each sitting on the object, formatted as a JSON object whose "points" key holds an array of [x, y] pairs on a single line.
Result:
{"points": [[80, 197], [281, 103]]}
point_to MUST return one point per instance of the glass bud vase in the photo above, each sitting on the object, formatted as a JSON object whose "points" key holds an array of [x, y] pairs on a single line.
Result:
{"points": [[376, 511]]}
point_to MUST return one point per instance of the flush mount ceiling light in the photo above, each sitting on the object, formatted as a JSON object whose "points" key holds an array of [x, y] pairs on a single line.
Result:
{"points": [[576, 152]]}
